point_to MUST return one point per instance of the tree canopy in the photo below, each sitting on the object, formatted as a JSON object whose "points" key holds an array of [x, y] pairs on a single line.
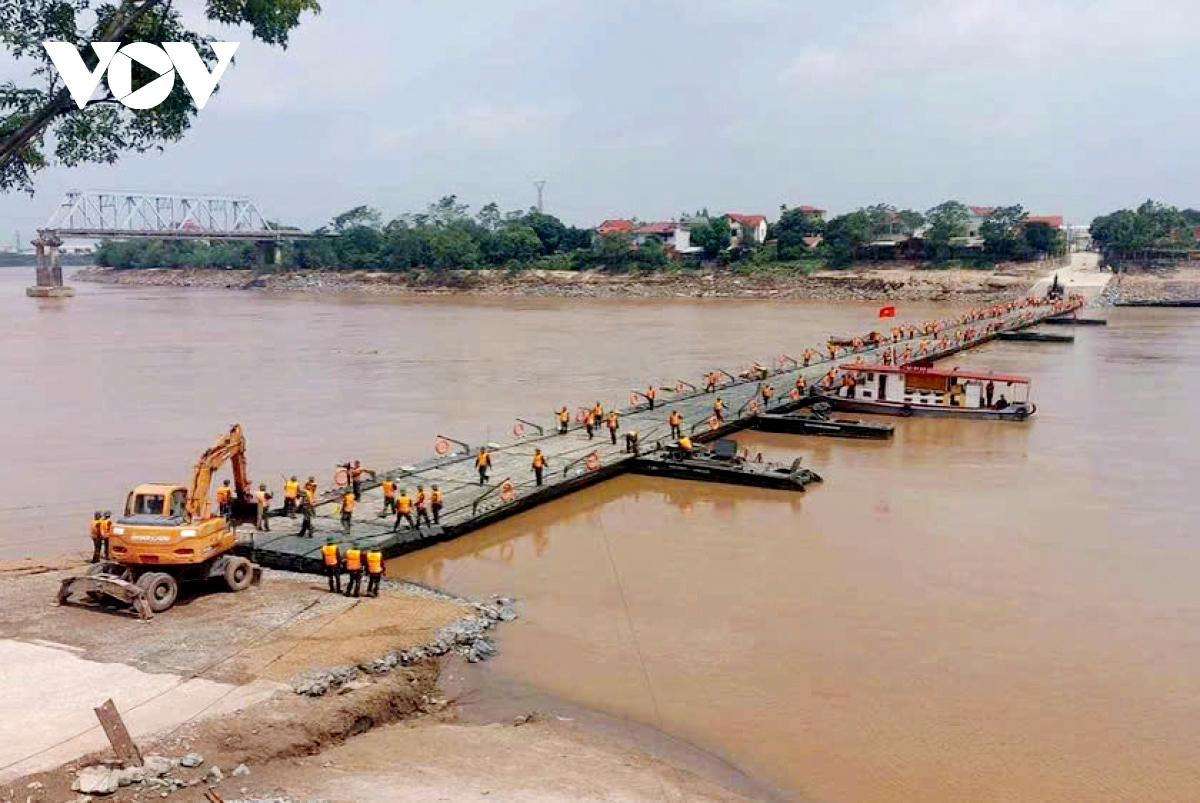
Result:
{"points": [[1152, 226], [105, 129]]}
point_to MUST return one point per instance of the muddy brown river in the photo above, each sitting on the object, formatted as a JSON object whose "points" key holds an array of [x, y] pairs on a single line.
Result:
{"points": [[975, 611]]}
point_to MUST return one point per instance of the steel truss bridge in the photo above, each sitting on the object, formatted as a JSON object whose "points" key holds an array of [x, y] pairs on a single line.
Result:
{"points": [[104, 215]]}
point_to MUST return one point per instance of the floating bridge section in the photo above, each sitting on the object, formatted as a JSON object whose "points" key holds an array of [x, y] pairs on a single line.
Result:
{"points": [[573, 460]]}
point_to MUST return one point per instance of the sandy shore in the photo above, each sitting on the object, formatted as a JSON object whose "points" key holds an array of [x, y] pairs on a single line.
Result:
{"points": [[284, 680], [867, 283]]}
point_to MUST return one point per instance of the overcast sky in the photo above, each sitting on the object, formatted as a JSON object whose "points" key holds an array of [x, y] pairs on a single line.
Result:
{"points": [[652, 107]]}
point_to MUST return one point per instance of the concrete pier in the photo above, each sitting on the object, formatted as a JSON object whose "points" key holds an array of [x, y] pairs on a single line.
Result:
{"points": [[49, 270]]}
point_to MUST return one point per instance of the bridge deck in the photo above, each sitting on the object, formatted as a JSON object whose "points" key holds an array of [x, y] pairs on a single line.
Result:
{"points": [[469, 505]]}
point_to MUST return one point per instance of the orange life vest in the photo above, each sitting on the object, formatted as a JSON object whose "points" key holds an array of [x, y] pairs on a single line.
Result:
{"points": [[375, 562], [353, 560], [437, 498], [420, 500], [403, 503], [291, 489], [330, 553], [676, 418], [483, 459], [348, 501], [389, 489], [224, 492], [539, 460], [97, 528]]}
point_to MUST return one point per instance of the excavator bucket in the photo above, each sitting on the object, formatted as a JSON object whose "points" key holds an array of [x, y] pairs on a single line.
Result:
{"points": [[95, 586]]}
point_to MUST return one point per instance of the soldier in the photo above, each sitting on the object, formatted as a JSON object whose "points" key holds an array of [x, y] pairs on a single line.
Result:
{"points": [[332, 559]]}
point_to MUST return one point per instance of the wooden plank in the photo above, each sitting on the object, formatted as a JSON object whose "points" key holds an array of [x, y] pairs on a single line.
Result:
{"points": [[118, 736]]}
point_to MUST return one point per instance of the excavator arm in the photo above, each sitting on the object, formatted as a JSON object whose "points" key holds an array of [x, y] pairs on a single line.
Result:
{"points": [[230, 446]]}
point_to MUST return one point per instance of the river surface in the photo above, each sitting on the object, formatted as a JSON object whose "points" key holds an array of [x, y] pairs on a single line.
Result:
{"points": [[976, 611]]}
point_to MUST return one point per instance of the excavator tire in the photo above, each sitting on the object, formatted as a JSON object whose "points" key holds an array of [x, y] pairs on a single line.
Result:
{"points": [[239, 573], [161, 590]]}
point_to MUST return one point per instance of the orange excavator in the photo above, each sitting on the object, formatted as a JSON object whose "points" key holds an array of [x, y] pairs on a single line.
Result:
{"points": [[169, 535]]}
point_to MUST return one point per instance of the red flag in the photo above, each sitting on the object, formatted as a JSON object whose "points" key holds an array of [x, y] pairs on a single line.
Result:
{"points": [[887, 312]]}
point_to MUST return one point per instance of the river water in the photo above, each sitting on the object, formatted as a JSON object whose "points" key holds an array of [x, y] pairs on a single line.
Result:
{"points": [[975, 611]]}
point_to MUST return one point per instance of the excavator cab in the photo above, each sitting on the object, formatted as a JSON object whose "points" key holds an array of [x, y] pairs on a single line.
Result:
{"points": [[161, 505]]}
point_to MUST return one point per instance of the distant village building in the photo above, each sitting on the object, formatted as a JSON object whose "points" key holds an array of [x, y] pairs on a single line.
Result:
{"points": [[616, 226], [812, 211], [674, 236], [746, 229], [976, 215]]}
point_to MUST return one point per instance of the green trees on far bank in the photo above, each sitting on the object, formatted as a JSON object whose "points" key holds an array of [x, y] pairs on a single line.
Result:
{"points": [[446, 235], [1152, 231]]}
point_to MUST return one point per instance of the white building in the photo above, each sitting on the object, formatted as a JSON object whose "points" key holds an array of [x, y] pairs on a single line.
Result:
{"points": [[746, 229]]}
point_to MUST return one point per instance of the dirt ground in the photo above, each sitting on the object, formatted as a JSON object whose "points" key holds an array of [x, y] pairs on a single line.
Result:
{"points": [[210, 677], [213, 655], [431, 761], [1177, 284]]}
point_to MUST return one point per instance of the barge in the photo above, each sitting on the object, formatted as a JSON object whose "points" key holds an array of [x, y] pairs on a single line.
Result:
{"points": [[911, 390], [723, 464], [819, 423]]}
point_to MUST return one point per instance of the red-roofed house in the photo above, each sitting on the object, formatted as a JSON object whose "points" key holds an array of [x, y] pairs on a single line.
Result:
{"points": [[746, 229], [811, 210], [976, 216], [616, 226], [1053, 221]]}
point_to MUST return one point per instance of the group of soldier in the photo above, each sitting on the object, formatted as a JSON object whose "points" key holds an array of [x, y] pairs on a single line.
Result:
{"points": [[353, 562]]}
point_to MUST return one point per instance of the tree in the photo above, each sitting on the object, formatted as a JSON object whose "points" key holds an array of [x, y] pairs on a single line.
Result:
{"points": [[1041, 238], [792, 229], [451, 247], [651, 254], [105, 129], [549, 229], [518, 243], [1003, 232], [711, 234], [844, 236], [489, 217], [947, 221], [612, 250], [358, 216]]}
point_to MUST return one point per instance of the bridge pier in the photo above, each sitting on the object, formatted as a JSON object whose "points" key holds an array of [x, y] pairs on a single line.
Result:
{"points": [[270, 255], [49, 270]]}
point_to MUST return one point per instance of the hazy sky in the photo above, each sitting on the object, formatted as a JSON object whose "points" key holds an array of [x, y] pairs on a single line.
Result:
{"points": [[651, 107]]}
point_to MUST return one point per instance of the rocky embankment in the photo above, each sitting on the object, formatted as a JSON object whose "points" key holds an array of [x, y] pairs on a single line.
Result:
{"points": [[865, 284], [1155, 286]]}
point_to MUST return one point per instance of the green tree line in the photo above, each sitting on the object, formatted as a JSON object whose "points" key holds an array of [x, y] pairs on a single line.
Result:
{"points": [[1151, 229], [448, 236]]}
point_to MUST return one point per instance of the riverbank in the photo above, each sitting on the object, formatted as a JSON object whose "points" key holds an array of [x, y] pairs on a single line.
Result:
{"points": [[269, 693], [866, 283], [1158, 286]]}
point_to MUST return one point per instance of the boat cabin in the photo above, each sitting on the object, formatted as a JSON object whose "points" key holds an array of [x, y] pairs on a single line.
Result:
{"points": [[917, 387]]}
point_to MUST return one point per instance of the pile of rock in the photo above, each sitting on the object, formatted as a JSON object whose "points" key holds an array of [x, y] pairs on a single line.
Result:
{"points": [[465, 636], [157, 773]]}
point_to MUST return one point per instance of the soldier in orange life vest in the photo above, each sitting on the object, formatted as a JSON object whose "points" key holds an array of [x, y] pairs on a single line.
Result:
{"points": [[767, 392], [403, 510], [348, 501], [389, 497], [263, 498], [422, 505], [310, 490], [564, 420], [801, 385], [589, 423], [225, 500], [539, 465], [332, 559], [375, 570], [99, 543], [710, 381], [483, 461], [719, 409], [354, 567], [614, 423], [650, 394], [676, 421], [291, 490], [631, 442], [306, 517], [356, 476], [435, 504]]}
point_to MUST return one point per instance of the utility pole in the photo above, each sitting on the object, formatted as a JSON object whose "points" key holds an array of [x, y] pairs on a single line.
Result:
{"points": [[541, 186]]}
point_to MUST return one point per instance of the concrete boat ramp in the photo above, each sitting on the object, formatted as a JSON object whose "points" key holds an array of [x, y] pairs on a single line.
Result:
{"points": [[574, 461]]}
